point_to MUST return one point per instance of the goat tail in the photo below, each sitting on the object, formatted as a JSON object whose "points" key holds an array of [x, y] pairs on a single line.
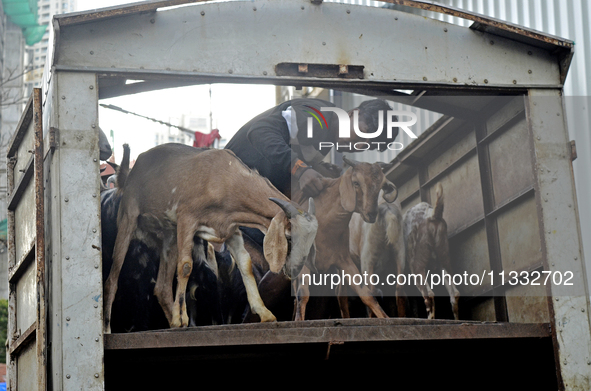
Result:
{"points": [[123, 168], [438, 209]]}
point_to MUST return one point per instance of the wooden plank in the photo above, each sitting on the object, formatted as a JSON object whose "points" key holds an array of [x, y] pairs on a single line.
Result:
{"points": [[344, 330]]}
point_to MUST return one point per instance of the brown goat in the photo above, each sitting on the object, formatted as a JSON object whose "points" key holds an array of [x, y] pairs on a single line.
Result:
{"points": [[427, 248], [357, 190], [175, 192]]}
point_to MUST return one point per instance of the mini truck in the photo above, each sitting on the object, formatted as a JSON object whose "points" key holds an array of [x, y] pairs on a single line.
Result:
{"points": [[501, 151]]}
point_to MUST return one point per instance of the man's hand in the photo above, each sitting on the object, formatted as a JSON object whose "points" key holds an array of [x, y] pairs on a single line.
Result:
{"points": [[311, 183], [328, 170]]}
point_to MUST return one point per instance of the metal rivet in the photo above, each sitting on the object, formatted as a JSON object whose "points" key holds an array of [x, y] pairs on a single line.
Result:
{"points": [[93, 126], [539, 138], [67, 376], [254, 8], [486, 81], [94, 230], [91, 87], [396, 18], [552, 264], [94, 195], [63, 97], [324, 43], [557, 299], [96, 375], [91, 52], [445, 30], [588, 362], [66, 200], [68, 318], [230, 71], [582, 310], [94, 160], [302, 7], [96, 266], [455, 79], [152, 21], [202, 13], [265, 73], [348, 11], [424, 78], [96, 306], [514, 81], [96, 339], [529, 71], [67, 258], [576, 258]]}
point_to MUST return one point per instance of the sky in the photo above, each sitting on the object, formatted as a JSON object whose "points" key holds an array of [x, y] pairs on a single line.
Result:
{"points": [[231, 106]]}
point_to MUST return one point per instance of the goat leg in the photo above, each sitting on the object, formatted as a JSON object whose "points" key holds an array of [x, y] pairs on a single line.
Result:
{"points": [[454, 296], [236, 246], [302, 295], [363, 291], [165, 278], [184, 267], [126, 227]]}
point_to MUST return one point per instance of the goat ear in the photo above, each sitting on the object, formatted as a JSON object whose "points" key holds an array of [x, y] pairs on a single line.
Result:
{"points": [[348, 196], [275, 243]]}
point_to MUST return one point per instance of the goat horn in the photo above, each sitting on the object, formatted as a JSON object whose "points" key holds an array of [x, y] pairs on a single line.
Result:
{"points": [[287, 207], [350, 162], [311, 206], [390, 192]]}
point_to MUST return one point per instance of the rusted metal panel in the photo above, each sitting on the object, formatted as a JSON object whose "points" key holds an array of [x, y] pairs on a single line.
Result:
{"points": [[528, 304], [40, 302]]}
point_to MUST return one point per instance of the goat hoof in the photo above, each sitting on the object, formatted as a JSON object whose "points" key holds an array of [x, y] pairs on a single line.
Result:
{"points": [[267, 316]]}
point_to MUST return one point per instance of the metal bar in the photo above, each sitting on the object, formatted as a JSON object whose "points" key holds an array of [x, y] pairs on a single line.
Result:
{"points": [[490, 223], [40, 242], [345, 330], [15, 196], [23, 339], [21, 265], [12, 330]]}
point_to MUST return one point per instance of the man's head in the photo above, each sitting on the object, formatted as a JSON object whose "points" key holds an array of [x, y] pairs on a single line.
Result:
{"points": [[369, 113]]}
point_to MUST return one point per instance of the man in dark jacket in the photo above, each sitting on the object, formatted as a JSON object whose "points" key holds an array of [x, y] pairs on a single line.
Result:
{"points": [[276, 142]]}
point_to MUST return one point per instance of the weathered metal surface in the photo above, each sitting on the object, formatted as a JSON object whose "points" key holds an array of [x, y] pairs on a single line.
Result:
{"points": [[76, 277], [527, 304], [519, 236], [173, 36], [560, 237], [345, 330], [26, 299], [27, 371], [511, 166], [40, 302]]}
